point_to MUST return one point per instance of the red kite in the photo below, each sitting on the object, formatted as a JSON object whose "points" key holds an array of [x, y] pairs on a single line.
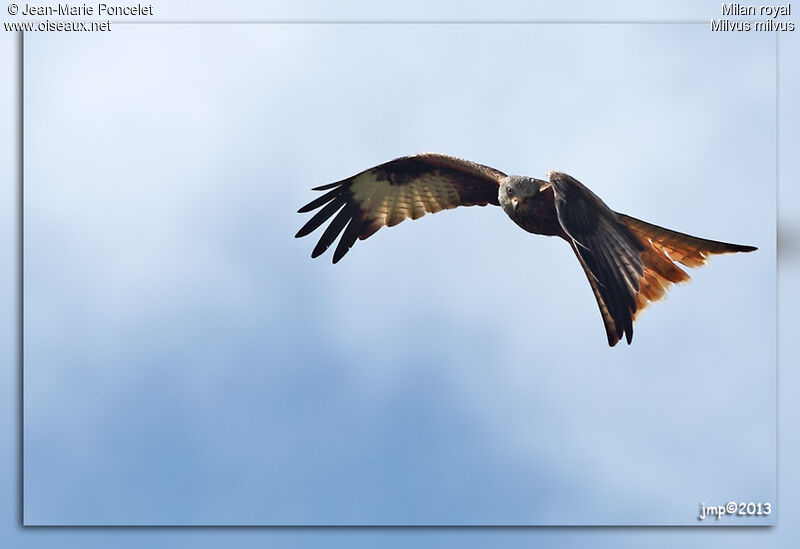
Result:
{"points": [[628, 262]]}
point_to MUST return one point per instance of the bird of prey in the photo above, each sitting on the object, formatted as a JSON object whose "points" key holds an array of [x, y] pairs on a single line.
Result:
{"points": [[628, 262]]}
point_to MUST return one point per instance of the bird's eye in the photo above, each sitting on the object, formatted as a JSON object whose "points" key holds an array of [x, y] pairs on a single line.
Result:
{"points": [[510, 193]]}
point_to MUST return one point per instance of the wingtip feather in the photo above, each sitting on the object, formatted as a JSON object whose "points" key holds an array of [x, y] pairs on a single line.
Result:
{"points": [[326, 186], [316, 252]]}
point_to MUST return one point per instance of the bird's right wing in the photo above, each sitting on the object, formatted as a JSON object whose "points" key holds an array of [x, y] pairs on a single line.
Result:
{"points": [[405, 188]]}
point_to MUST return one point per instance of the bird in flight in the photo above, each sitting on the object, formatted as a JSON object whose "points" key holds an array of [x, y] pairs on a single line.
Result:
{"points": [[628, 262]]}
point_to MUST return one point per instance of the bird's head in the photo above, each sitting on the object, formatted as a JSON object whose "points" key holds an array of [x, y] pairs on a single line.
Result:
{"points": [[516, 192]]}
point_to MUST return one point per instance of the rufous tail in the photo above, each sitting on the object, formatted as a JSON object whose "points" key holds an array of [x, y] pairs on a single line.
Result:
{"points": [[662, 249]]}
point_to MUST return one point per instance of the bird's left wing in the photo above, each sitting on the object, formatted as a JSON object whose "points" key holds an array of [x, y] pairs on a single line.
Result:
{"points": [[405, 188], [609, 252]]}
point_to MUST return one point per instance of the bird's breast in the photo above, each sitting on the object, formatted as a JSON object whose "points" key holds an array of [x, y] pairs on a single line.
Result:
{"points": [[537, 214]]}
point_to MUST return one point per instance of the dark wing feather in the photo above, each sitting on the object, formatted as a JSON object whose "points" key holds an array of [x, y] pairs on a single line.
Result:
{"points": [[608, 251], [405, 188]]}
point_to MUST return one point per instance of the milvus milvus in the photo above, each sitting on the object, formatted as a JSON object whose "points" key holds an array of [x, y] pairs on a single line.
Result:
{"points": [[628, 262]]}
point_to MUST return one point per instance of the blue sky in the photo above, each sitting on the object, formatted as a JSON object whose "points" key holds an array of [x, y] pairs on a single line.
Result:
{"points": [[193, 365]]}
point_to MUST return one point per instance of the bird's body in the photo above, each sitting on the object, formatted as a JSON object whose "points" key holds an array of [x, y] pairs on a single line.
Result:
{"points": [[534, 212], [628, 262]]}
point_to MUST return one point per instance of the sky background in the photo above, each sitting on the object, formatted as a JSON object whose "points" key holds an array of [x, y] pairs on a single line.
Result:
{"points": [[173, 414]]}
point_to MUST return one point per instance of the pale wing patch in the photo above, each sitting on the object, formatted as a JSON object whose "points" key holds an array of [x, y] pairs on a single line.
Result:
{"points": [[405, 188], [395, 208], [417, 206], [389, 204]]}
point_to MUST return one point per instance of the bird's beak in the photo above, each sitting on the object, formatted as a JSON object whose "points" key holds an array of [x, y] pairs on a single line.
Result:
{"points": [[515, 203]]}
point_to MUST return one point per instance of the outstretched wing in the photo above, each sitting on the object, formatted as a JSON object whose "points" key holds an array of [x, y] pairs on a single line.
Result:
{"points": [[407, 187], [608, 251]]}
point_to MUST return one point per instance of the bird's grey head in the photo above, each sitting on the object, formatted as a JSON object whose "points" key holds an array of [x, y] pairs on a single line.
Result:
{"points": [[516, 191]]}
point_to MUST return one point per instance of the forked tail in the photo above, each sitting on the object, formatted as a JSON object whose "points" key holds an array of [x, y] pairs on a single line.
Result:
{"points": [[662, 248]]}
